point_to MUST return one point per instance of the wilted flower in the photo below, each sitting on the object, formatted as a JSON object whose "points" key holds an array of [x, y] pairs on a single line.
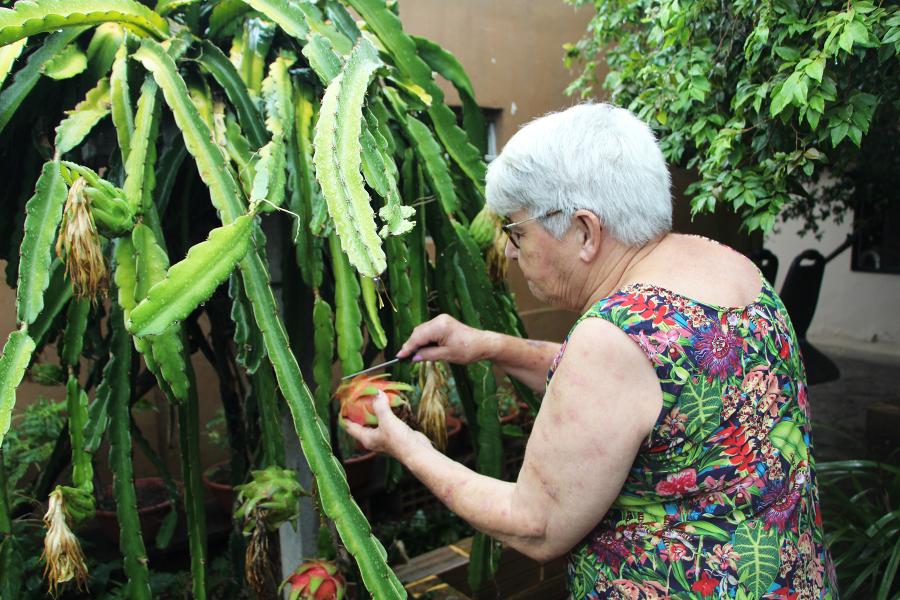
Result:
{"points": [[79, 243], [432, 414], [62, 551]]}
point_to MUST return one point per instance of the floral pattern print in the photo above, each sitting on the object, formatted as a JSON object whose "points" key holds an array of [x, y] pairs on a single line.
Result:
{"points": [[721, 501]]}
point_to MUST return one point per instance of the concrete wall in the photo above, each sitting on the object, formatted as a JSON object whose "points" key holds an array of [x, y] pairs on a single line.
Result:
{"points": [[855, 310]]}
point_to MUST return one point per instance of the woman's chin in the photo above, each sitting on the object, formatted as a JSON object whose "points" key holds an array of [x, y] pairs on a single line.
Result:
{"points": [[539, 293]]}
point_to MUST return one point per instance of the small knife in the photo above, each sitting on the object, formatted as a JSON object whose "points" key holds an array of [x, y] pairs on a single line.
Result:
{"points": [[384, 364]]}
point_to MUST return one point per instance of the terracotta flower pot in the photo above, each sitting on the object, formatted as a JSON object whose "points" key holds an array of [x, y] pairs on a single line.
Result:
{"points": [[511, 415], [153, 505], [456, 443], [222, 493]]}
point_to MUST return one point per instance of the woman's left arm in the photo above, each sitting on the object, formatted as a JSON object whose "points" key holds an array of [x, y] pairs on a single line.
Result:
{"points": [[601, 404]]}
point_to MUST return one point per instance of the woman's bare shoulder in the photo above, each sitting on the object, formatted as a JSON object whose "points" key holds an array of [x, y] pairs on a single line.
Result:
{"points": [[702, 269]]}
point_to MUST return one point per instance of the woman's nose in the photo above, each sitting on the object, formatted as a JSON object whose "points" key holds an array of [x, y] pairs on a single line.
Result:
{"points": [[511, 252]]}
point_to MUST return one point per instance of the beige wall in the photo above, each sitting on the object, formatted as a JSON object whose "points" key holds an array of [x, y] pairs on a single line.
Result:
{"points": [[512, 51]]}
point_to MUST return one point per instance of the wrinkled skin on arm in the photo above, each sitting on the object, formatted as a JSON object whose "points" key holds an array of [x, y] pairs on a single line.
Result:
{"points": [[600, 405]]}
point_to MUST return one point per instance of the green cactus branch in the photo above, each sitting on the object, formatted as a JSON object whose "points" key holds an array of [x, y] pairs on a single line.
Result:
{"points": [[28, 18], [117, 379]]}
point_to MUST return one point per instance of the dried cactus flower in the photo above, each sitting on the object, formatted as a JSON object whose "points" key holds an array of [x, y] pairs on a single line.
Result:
{"points": [[79, 244], [432, 412], [62, 551]]}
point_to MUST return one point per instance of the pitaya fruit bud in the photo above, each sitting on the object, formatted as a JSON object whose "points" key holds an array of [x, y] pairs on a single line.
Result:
{"points": [[315, 580], [357, 396]]}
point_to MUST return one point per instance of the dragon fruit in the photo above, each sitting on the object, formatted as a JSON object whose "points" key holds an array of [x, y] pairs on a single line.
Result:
{"points": [[357, 395], [315, 580]]}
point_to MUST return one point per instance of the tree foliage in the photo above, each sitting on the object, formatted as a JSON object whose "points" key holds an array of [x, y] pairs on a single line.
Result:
{"points": [[782, 107]]}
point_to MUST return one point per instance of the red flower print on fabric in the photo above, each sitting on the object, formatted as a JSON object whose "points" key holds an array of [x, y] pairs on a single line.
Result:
{"points": [[706, 585], [678, 484]]}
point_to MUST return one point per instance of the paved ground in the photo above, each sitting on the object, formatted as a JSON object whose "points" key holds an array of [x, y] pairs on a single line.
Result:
{"points": [[839, 407]]}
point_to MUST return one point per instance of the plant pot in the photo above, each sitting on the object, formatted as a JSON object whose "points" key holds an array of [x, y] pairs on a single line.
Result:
{"points": [[223, 494], [360, 469], [456, 442], [153, 505], [511, 415]]}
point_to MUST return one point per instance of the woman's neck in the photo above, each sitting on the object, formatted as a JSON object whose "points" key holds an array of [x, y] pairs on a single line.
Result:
{"points": [[616, 269]]}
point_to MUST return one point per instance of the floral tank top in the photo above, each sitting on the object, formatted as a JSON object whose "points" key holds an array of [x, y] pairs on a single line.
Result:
{"points": [[721, 501]]}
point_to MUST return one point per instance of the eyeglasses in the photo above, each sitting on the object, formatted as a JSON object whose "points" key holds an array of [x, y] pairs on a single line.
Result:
{"points": [[508, 229]]}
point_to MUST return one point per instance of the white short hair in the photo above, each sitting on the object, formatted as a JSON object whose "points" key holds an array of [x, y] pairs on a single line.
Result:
{"points": [[596, 157]]}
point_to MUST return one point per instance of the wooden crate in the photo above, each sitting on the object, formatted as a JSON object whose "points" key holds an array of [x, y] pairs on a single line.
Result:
{"points": [[442, 572]]}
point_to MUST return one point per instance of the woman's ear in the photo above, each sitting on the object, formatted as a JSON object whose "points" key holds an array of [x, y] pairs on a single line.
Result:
{"points": [[588, 228]]}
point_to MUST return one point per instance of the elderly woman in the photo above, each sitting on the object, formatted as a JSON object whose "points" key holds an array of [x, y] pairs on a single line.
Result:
{"points": [[671, 454]]}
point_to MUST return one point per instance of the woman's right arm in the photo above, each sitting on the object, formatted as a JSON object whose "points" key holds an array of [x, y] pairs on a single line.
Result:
{"points": [[445, 338]]}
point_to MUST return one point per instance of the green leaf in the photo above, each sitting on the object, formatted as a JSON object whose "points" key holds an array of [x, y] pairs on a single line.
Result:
{"points": [[788, 438], [845, 40], [29, 17], [337, 160], [858, 32], [816, 69], [13, 362], [782, 97], [760, 558], [67, 64], [42, 215], [81, 120], [193, 280], [701, 402], [838, 133]]}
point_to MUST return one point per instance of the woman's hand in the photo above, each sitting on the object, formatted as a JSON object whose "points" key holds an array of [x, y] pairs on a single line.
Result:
{"points": [[392, 436], [445, 338]]}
